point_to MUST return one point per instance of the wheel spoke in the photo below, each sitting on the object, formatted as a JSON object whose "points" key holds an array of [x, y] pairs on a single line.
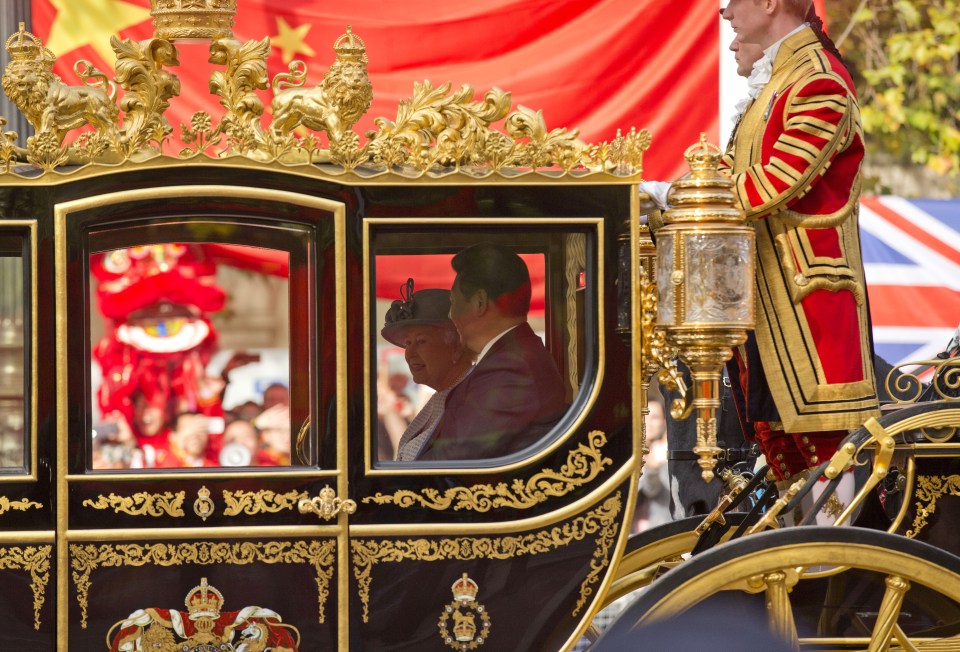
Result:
{"points": [[904, 640], [779, 609], [897, 588]]}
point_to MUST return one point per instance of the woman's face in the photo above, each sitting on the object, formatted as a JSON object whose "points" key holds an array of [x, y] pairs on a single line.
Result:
{"points": [[430, 354]]}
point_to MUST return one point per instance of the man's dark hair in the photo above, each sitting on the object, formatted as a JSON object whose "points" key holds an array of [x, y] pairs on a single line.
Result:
{"points": [[497, 270]]}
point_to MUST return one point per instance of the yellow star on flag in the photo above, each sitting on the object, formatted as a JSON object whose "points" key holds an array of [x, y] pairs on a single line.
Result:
{"points": [[82, 23], [290, 40]]}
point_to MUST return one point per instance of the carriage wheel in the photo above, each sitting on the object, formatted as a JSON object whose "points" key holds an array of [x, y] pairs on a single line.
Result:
{"points": [[769, 563]]}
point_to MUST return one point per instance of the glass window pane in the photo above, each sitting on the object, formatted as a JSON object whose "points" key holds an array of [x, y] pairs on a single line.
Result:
{"points": [[191, 357], [12, 363], [483, 370]]}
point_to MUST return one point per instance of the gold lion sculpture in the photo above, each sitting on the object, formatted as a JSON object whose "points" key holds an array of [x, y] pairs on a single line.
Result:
{"points": [[336, 104], [49, 104]]}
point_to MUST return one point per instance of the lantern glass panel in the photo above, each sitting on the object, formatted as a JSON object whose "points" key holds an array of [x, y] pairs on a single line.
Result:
{"points": [[719, 271], [666, 290]]}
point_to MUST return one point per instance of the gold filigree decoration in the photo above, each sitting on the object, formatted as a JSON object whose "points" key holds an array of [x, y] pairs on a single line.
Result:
{"points": [[930, 488], [260, 502], [36, 561], [583, 465], [601, 521], [436, 132], [86, 558], [141, 503], [21, 505], [903, 382]]}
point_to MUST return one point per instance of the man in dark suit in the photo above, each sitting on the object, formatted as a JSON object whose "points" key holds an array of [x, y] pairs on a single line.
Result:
{"points": [[514, 395]]}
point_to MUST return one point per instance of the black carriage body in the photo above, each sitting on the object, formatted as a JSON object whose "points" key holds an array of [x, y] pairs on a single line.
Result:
{"points": [[537, 533]]}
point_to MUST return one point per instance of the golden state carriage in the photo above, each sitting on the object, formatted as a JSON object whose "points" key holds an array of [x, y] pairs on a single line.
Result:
{"points": [[125, 268]]}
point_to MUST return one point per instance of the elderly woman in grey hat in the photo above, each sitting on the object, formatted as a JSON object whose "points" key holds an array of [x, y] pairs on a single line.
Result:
{"points": [[419, 323]]}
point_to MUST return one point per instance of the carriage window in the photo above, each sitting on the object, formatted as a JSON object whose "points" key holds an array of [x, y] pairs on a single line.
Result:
{"points": [[13, 336], [190, 352], [480, 343]]}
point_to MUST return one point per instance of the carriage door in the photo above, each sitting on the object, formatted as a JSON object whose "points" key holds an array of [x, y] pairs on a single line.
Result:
{"points": [[199, 402]]}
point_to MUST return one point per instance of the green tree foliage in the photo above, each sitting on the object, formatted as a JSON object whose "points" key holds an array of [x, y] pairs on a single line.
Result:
{"points": [[905, 56]]}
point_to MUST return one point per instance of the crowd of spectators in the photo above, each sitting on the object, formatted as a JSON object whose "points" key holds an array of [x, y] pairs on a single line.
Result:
{"points": [[249, 434]]}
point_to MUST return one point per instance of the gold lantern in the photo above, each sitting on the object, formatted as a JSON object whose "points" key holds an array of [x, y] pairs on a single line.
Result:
{"points": [[705, 284], [193, 20]]}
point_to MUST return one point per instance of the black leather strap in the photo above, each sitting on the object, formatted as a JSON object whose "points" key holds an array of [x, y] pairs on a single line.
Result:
{"points": [[733, 455]]}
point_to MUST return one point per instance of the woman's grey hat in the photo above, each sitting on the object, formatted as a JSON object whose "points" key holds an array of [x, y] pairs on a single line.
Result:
{"points": [[420, 308]]}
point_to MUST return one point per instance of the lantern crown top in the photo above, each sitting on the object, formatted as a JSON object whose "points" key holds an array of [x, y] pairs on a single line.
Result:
{"points": [[703, 155], [704, 194]]}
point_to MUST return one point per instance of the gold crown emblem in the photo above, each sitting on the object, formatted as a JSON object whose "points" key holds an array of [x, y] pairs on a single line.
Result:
{"points": [[703, 155], [464, 589], [350, 47], [464, 627], [24, 46], [201, 20], [204, 601]]}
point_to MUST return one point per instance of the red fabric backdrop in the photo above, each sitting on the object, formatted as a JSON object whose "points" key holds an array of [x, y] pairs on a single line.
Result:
{"points": [[596, 65]]}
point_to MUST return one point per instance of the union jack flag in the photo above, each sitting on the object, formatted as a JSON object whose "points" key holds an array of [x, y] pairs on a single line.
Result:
{"points": [[911, 254]]}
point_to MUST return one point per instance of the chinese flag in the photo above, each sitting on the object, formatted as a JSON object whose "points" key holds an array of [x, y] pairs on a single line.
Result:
{"points": [[592, 65]]}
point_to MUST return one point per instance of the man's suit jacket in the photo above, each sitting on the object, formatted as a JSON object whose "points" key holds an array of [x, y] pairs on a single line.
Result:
{"points": [[513, 396]]}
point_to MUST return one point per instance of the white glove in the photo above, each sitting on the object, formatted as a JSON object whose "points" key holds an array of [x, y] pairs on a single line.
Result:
{"points": [[658, 191]]}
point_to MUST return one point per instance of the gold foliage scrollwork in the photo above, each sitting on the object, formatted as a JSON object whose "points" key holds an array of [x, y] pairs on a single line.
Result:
{"points": [[436, 127], [21, 505], [601, 521], [658, 354], [246, 72], [260, 502], [141, 503], [85, 558], [583, 465], [930, 488], [36, 561], [149, 89]]}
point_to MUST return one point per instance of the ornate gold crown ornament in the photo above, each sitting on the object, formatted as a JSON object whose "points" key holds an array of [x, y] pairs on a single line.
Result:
{"points": [[437, 132], [194, 20], [204, 601]]}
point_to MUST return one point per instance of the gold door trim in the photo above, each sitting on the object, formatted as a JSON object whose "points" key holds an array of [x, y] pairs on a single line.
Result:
{"points": [[260, 502], [22, 505], [86, 558], [930, 489], [36, 561], [583, 465], [600, 521], [141, 503]]}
